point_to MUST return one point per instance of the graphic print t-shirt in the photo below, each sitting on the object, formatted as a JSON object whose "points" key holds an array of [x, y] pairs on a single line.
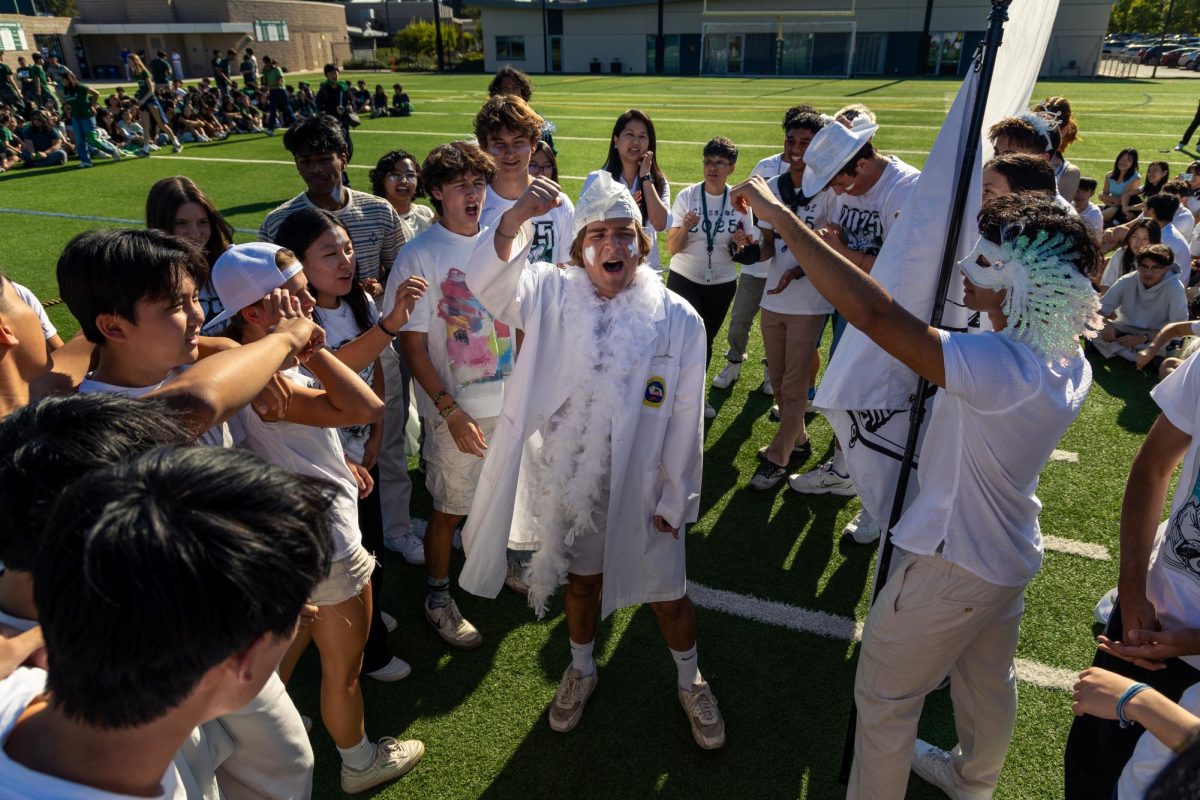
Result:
{"points": [[551, 231], [692, 262], [867, 219], [471, 350], [1173, 583]]}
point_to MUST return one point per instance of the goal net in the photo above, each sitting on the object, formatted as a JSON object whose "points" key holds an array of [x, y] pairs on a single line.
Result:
{"points": [[792, 48]]}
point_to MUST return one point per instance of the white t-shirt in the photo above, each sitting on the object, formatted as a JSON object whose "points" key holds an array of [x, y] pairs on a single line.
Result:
{"points": [[1093, 220], [340, 329], [418, 220], [551, 231], [1194, 246], [1179, 248], [1173, 580], [665, 193], [866, 219], [309, 450], [48, 329], [992, 430], [1184, 222], [1151, 756], [17, 692], [471, 350], [694, 262], [223, 435], [800, 297], [769, 167]]}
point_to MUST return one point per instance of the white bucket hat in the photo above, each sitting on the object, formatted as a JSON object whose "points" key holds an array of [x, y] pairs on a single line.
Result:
{"points": [[245, 274], [830, 150], [604, 199]]}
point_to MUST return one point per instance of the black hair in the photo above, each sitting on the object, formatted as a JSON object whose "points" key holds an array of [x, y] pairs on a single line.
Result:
{"points": [[156, 570], [1163, 206], [1153, 230], [722, 147], [805, 118], [1160, 254], [540, 146], [1025, 173], [330, 68], [851, 168], [792, 113], [387, 162], [613, 162], [1034, 212], [318, 135], [298, 231], [1087, 184], [47, 446], [1116, 173], [507, 73], [110, 271]]}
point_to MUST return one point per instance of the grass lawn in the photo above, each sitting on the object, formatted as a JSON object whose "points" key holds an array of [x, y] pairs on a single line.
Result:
{"points": [[785, 694]]}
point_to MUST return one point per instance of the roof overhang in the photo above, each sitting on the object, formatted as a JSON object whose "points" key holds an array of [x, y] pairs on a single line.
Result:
{"points": [[119, 29]]}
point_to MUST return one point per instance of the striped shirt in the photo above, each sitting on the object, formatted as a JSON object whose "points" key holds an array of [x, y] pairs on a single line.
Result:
{"points": [[374, 226]]}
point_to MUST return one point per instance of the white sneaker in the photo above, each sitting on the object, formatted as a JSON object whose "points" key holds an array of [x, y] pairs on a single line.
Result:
{"points": [[823, 480], [455, 631], [514, 578], [767, 389], [727, 376], [410, 545], [709, 411], [115, 155], [389, 621], [935, 766], [392, 760], [570, 699], [395, 670], [863, 529], [708, 727]]}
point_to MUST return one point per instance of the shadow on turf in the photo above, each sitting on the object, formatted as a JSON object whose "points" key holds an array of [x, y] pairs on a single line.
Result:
{"points": [[1132, 386]]}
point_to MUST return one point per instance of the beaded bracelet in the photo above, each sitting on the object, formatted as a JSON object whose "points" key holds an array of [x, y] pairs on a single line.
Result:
{"points": [[448, 410], [1130, 693]]}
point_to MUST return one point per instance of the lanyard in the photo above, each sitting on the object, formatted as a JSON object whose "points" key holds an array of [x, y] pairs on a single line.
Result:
{"points": [[710, 230]]}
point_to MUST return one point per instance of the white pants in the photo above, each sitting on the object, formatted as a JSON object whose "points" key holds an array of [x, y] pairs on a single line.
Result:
{"points": [[873, 443], [933, 619]]}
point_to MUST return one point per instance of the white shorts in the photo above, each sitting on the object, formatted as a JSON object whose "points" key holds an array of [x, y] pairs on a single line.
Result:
{"points": [[346, 579], [450, 474]]}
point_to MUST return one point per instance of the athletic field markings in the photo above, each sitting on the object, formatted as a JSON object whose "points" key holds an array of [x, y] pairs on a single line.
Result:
{"points": [[91, 217], [1074, 547], [1064, 455], [839, 628]]}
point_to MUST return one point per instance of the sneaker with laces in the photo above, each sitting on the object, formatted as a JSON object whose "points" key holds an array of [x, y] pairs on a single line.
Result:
{"points": [[395, 670], [410, 545], [389, 621], [774, 414], [176, 146], [727, 376], [823, 480], [767, 476], [393, 759], [572, 695], [514, 578], [863, 529], [455, 631], [708, 728], [709, 411], [934, 765]]}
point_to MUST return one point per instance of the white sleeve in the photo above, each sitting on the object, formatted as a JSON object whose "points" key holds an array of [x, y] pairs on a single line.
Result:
{"points": [[563, 221], [1176, 395], [1151, 756], [984, 372], [30, 299], [420, 318], [680, 209]]}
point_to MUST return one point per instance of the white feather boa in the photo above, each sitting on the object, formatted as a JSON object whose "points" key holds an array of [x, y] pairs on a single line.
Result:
{"points": [[574, 464]]}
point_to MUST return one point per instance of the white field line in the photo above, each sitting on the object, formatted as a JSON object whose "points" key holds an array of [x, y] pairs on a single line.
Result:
{"points": [[91, 217], [1064, 455], [1073, 547], [291, 164], [833, 626]]}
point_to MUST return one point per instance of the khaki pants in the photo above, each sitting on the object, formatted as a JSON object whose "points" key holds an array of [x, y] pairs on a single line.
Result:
{"points": [[791, 343], [933, 619]]}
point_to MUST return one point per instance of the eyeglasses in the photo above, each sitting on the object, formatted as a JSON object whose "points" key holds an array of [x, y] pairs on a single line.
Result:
{"points": [[1152, 267], [715, 163], [536, 167], [500, 148], [407, 177]]}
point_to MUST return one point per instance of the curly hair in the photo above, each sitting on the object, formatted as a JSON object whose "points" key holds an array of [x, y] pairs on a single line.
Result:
{"points": [[1160, 254], [507, 112], [321, 134], [794, 112], [1034, 212], [387, 162], [447, 161], [507, 74]]}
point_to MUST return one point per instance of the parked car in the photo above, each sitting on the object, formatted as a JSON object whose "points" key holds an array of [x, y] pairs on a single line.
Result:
{"points": [[1170, 58], [1188, 58]]}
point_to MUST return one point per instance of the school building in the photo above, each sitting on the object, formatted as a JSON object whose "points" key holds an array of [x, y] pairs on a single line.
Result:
{"points": [[301, 35], [769, 37]]}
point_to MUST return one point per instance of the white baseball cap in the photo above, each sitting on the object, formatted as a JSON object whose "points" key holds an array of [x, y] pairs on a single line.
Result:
{"points": [[604, 199], [831, 150], [245, 274]]}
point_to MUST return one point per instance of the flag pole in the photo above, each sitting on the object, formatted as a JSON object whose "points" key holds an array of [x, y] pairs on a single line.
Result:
{"points": [[985, 64]]}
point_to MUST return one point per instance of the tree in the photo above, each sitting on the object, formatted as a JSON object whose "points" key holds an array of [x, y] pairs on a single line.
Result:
{"points": [[1147, 16], [417, 39], [61, 8]]}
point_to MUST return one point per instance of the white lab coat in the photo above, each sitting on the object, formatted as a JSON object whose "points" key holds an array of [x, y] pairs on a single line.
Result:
{"points": [[657, 448]]}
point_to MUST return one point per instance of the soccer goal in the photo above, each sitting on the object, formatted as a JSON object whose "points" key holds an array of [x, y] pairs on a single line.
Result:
{"points": [[788, 46]]}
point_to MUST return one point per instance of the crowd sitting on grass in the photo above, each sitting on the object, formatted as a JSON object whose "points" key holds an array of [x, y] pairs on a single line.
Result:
{"points": [[227, 434]]}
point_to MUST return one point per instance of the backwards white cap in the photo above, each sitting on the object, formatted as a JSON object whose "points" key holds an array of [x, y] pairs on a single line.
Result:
{"points": [[604, 199]]}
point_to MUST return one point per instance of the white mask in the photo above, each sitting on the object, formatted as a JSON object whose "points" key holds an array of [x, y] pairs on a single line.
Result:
{"points": [[994, 274]]}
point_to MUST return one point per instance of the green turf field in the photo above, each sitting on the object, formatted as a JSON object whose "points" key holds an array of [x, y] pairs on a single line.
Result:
{"points": [[785, 694]]}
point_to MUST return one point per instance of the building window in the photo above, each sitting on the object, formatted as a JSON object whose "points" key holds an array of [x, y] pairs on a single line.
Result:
{"points": [[510, 47], [12, 37], [270, 30]]}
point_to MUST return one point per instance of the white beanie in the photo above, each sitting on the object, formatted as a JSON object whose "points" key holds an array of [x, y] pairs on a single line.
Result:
{"points": [[604, 199]]}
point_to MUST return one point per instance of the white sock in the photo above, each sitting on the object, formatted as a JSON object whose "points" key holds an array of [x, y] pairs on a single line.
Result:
{"points": [[581, 658], [358, 757], [688, 667], [839, 462]]}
